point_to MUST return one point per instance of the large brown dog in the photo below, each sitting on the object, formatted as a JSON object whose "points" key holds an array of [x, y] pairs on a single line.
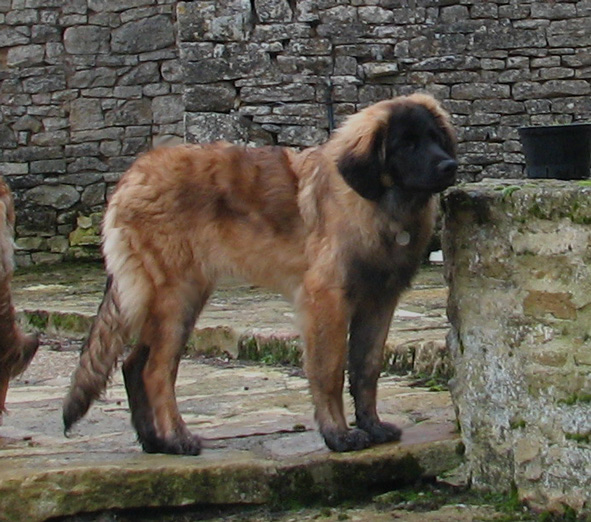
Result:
{"points": [[339, 229], [16, 349]]}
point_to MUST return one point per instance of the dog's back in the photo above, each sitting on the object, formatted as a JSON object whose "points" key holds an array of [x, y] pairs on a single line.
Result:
{"points": [[218, 208]]}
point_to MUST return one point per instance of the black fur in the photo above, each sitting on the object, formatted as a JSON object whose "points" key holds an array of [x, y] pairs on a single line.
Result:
{"points": [[362, 173], [413, 153], [409, 161], [142, 417]]}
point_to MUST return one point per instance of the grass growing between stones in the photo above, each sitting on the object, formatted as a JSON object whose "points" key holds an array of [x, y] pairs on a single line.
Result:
{"points": [[271, 350]]}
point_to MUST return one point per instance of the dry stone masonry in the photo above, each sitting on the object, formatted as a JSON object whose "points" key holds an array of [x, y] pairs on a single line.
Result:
{"points": [[86, 85], [518, 262], [273, 71]]}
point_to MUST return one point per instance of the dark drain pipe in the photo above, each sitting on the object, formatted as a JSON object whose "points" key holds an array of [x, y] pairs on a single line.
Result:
{"points": [[330, 105]]}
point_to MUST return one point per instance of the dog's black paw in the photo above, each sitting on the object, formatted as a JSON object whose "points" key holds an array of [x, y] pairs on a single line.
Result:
{"points": [[347, 440], [381, 432]]}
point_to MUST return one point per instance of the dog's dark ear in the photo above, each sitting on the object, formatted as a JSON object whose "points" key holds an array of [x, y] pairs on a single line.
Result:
{"points": [[362, 170]]}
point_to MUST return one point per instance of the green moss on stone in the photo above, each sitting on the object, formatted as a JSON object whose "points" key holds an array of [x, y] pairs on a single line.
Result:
{"points": [[507, 191], [37, 319], [74, 323], [271, 350], [517, 423], [575, 398], [581, 438]]}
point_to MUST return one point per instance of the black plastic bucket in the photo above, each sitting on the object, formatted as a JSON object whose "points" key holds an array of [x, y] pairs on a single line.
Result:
{"points": [[557, 151]]}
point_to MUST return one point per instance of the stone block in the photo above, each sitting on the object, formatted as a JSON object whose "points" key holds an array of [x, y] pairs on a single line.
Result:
{"points": [[49, 166], [302, 66], [10, 36], [230, 62], [453, 13], [57, 137], [8, 139], [82, 149], [32, 243], [273, 10], [479, 91], [94, 195], [128, 92], [208, 127], [302, 136], [373, 70], [85, 39], [86, 113], [219, 97], [230, 28], [58, 244], [168, 109], [98, 77], [192, 20], [501, 37], [143, 73], [25, 55], [57, 196], [291, 92], [310, 47], [517, 262], [376, 15], [143, 35], [172, 71], [132, 112], [50, 82], [213, 341]]}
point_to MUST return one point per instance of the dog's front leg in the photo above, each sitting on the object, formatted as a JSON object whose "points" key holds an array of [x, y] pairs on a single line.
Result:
{"points": [[325, 321], [368, 332]]}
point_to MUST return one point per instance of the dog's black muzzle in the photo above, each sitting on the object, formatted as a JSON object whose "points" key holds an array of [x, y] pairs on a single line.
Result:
{"points": [[446, 171]]}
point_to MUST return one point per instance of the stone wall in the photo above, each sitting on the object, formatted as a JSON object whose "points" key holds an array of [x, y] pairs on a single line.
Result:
{"points": [[518, 262], [87, 84], [271, 71]]}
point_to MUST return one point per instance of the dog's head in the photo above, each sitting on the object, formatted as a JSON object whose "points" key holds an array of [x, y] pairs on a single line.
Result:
{"points": [[406, 143]]}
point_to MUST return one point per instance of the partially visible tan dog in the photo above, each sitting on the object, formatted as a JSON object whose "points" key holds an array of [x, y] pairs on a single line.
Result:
{"points": [[339, 229], [16, 349]]}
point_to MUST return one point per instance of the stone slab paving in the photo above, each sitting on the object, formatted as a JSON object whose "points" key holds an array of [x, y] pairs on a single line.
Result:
{"points": [[261, 443]]}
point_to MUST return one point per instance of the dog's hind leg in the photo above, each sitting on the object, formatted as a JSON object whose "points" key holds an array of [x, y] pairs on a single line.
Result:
{"points": [[150, 374], [325, 322], [368, 331]]}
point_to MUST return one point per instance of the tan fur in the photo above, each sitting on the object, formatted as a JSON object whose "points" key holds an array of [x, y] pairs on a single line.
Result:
{"points": [[16, 349], [182, 217]]}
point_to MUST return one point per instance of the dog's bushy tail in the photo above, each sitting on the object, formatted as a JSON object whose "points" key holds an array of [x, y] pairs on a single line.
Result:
{"points": [[105, 343]]}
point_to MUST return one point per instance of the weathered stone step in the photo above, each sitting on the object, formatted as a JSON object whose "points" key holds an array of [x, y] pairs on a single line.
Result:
{"points": [[260, 442], [37, 487]]}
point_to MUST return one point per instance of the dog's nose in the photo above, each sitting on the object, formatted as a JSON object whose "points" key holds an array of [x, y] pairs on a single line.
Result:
{"points": [[447, 167]]}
